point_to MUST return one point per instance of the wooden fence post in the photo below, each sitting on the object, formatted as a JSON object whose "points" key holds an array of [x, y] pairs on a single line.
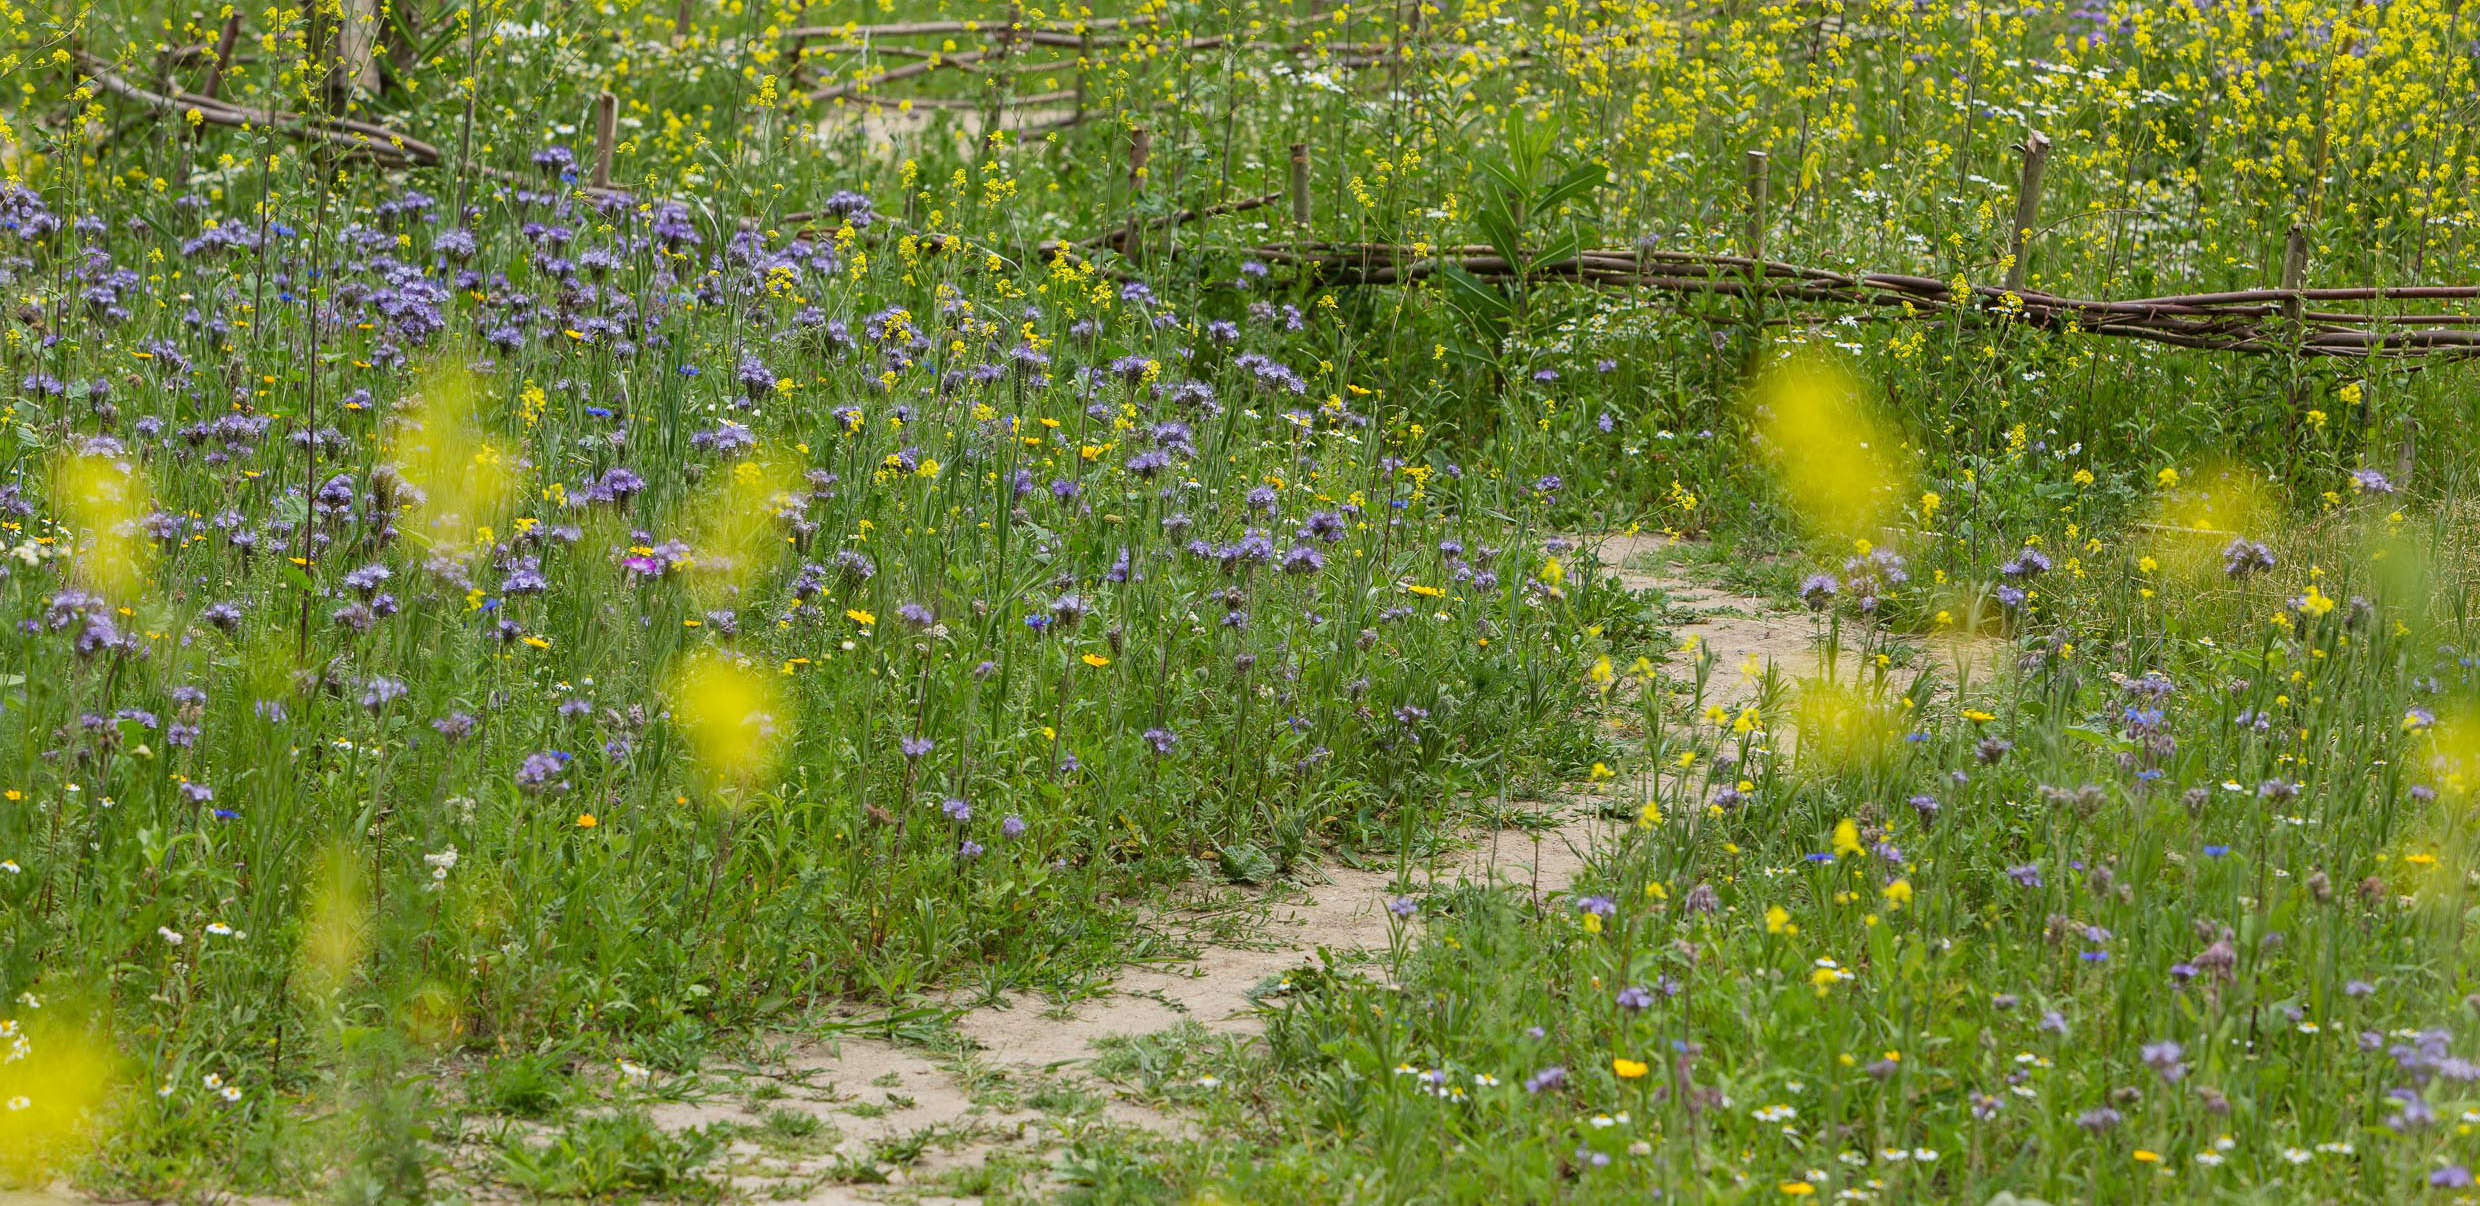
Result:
{"points": [[1140, 149], [1084, 56], [1300, 185], [2294, 269], [2035, 151], [357, 46], [1756, 170], [995, 85], [606, 128]]}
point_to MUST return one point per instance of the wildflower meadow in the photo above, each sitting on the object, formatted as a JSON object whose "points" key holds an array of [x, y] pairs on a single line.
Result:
{"points": [[1312, 601]]}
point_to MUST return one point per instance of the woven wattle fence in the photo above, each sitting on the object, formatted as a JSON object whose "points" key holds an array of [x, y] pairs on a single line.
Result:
{"points": [[2373, 321], [2394, 321], [2255, 320]]}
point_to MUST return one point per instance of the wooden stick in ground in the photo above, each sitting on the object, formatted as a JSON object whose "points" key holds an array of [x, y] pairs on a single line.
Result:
{"points": [[1300, 185], [680, 20], [2294, 268], [2035, 150], [1084, 65], [1140, 149], [606, 128], [995, 86], [1756, 168], [357, 46]]}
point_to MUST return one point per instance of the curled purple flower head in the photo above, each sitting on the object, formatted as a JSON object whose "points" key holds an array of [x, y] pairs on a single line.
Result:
{"points": [[539, 770], [853, 207], [1403, 906], [368, 578], [2369, 481], [1635, 998], [1926, 807], [1552, 1077], [2412, 1110], [2242, 557], [914, 747], [756, 379], [1012, 826], [956, 810], [618, 484], [2166, 1058], [379, 691], [2028, 562], [1818, 590]]}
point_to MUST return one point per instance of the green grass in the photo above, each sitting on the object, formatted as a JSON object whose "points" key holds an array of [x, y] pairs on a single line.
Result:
{"points": [[465, 625]]}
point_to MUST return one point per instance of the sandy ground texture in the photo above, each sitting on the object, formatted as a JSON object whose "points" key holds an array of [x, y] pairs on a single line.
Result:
{"points": [[1748, 638], [1065, 1047]]}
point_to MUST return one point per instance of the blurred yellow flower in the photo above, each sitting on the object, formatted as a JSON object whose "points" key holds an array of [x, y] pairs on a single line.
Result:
{"points": [[1837, 461], [734, 717], [103, 501]]}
